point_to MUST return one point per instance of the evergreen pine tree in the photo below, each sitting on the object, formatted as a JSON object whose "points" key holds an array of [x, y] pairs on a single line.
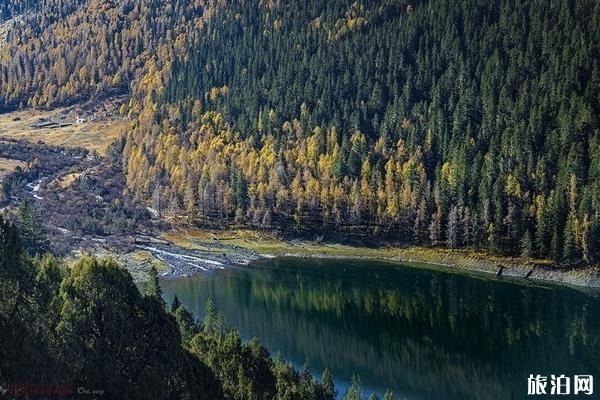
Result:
{"points": [[154, 290], [354, 391], [328, 386], [29, 224], [526, 245], [175, 304]]}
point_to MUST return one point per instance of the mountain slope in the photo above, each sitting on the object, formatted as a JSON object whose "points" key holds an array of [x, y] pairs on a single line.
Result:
{"points": [[70, 50], [466, 123], [12, 8], [434, 122]]}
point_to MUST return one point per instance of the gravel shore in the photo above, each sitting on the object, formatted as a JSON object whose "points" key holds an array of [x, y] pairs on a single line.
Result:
{"points": [[174, 261]]}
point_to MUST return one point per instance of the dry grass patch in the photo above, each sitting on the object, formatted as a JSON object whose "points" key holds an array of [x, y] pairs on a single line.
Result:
{"points": [[200, 239], [8, 165], [66, 181], [95, 134]]}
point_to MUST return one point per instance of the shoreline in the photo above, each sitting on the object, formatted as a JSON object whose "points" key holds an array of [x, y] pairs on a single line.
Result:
{"points": [[213, 250], [580, 279]]}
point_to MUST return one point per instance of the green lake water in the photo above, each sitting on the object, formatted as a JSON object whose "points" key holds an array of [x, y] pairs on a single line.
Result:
{"points": [[422, 333]]}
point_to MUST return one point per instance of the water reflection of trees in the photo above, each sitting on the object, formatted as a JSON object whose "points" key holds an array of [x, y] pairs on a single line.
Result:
{"points": [[420, 332]]}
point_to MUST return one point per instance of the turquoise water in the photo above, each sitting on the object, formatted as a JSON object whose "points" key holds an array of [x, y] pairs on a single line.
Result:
{"points": [[423, 334]]}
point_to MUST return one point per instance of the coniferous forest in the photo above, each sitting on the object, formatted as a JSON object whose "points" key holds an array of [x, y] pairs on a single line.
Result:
{"points": [[442, 123], [465, 124], [63, 327]]}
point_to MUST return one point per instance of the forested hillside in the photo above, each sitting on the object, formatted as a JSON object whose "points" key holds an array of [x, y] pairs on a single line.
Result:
{"points": [[435, 122], [89, 327], [11, 8], [68, 50], [463, 123]]}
